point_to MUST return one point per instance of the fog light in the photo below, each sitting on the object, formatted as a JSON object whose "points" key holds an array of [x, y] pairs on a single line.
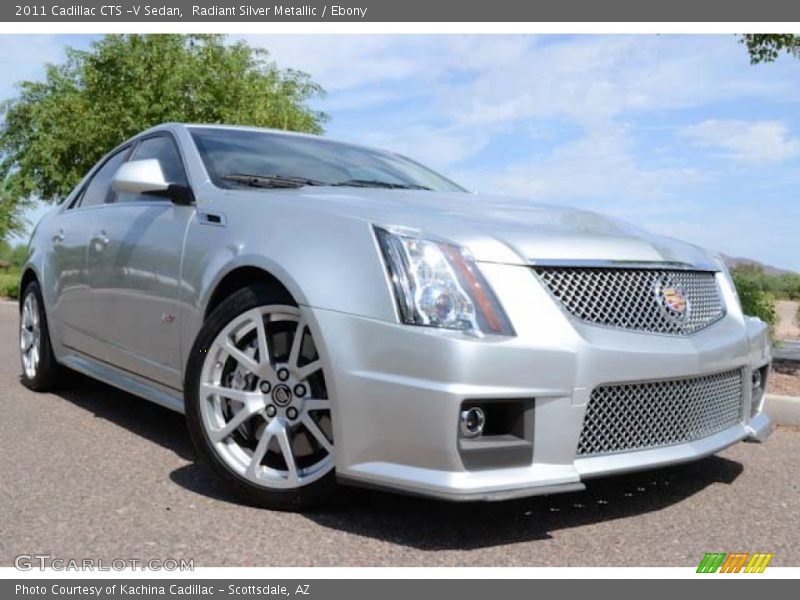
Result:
{"points": [[472, 422], [757, 379], [757, 395]]}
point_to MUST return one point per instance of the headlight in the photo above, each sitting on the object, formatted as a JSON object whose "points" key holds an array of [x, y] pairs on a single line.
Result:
{"points": [[438, 284]]}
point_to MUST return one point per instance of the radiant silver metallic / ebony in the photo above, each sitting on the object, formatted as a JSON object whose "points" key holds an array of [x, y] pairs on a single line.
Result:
{"points": [[324, 312]]}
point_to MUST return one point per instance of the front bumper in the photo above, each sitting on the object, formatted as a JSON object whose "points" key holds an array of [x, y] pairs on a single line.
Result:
{"points": [[398, 391]]}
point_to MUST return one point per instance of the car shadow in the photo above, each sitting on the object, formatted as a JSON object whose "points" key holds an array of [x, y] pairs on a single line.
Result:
{"points": [[433, 525], [422, 523], [426, 524], [146, 419]]}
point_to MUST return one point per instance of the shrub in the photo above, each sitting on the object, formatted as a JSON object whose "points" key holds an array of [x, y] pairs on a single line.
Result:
{"points": [[785, 286], [9, 285], [755, 301], [13, 256]]}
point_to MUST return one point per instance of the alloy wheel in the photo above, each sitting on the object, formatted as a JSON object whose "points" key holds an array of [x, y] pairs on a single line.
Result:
{"points": [[30, 336], [263, 400]]}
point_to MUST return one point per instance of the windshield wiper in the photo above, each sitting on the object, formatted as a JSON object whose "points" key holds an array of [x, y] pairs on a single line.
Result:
{"points": [[380, 184], [286, 181], [271, 181]]}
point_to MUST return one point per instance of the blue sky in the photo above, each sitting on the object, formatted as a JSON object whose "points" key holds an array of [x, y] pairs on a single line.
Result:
{"points": [[677, 134]]}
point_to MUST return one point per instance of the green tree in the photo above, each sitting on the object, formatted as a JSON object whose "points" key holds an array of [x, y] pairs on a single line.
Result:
{"points": [[56, 129], [766, 47], [755, 301]]}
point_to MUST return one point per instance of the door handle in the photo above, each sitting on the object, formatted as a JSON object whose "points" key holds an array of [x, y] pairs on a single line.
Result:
{"points": [[59, 237], [100, 241]]}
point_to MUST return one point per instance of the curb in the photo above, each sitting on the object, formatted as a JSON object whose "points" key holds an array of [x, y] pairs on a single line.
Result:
{"points": [[783, 410]]}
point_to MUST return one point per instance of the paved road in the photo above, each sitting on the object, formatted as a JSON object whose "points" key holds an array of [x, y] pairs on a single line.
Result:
{"points": [[787, 350], [95, 472], [787, 326]]}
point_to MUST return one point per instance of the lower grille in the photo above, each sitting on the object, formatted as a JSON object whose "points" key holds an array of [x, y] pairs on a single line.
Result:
{"points": [[637, 416]]}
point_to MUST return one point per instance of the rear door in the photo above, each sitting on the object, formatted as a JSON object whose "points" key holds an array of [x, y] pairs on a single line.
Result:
{"points": [[71, 307], [134, 268]]}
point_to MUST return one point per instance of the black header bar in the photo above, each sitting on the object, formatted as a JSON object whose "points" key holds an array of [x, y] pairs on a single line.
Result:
{"points": [[402, 11]]}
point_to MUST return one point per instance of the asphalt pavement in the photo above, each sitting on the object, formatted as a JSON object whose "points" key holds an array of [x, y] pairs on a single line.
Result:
{"points": [[92, 472], [788, 350]]}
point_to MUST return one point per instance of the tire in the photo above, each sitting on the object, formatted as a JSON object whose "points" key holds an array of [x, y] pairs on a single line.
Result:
{"points": [[235, 399], [40, 370]]}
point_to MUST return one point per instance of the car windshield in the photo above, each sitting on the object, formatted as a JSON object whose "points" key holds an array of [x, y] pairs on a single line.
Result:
{"points": [[238, 157]]}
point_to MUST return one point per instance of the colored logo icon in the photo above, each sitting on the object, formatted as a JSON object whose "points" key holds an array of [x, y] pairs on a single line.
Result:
{"points": [[737, 562]]}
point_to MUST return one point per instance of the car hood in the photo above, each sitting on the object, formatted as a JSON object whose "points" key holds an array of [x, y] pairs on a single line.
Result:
{"points": [[504, 229]]}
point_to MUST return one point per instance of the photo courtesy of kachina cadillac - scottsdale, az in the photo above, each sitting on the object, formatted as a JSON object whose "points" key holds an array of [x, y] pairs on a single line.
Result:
{"points": [[411, 297]]}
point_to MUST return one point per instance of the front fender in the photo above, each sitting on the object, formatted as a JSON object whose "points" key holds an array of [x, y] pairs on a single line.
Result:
{"points": [[329, 262], [758, 341]]}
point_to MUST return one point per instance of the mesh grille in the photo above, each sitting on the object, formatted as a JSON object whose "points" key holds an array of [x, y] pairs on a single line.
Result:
{"points": [[648, 415], [637, 298]]}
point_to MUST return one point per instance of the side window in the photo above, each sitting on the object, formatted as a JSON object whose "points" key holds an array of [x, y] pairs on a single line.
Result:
{"points": [[163, 148], [99, 191]]}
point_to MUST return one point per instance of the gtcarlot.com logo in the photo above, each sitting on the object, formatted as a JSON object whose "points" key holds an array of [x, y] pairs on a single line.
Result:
{"points": [[736, 562], [29, 562]]}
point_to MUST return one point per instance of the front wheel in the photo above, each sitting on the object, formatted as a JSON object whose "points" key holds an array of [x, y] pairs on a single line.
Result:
{"points": [[257, 405]]}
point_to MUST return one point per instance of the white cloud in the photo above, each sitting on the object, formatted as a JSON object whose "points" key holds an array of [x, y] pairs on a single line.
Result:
{"points": [[342, 62], [358, 100], [752, 142], [600, 170], [595, 78]]}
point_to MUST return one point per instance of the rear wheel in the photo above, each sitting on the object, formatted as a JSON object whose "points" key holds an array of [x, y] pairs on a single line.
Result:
{"points": [[40, 371], [257, 405]]}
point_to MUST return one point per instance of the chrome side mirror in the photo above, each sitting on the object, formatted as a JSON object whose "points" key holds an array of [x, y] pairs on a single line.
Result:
{"points": [[140, 177], [147, 177]]}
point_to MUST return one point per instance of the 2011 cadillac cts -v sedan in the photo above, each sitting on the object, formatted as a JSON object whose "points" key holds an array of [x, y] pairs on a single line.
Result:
{"points": [[326, 312]]}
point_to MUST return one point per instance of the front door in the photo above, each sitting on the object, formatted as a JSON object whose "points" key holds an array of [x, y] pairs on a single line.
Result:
{"points": [[134, 270]]}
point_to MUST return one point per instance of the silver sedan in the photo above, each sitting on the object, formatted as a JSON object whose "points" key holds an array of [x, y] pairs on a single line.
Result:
{"points": [[327, 313]]}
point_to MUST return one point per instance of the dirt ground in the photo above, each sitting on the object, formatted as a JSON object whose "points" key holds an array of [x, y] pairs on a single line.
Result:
{"points": [[785, 379], [787, 327], [784, 384]]}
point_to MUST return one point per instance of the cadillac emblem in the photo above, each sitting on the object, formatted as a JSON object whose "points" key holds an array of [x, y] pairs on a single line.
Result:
{"points": [[672, 300]]}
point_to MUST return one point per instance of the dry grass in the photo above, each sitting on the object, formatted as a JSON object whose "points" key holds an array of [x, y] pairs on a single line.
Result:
{"points": [[787, 327], [784, 384]]}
